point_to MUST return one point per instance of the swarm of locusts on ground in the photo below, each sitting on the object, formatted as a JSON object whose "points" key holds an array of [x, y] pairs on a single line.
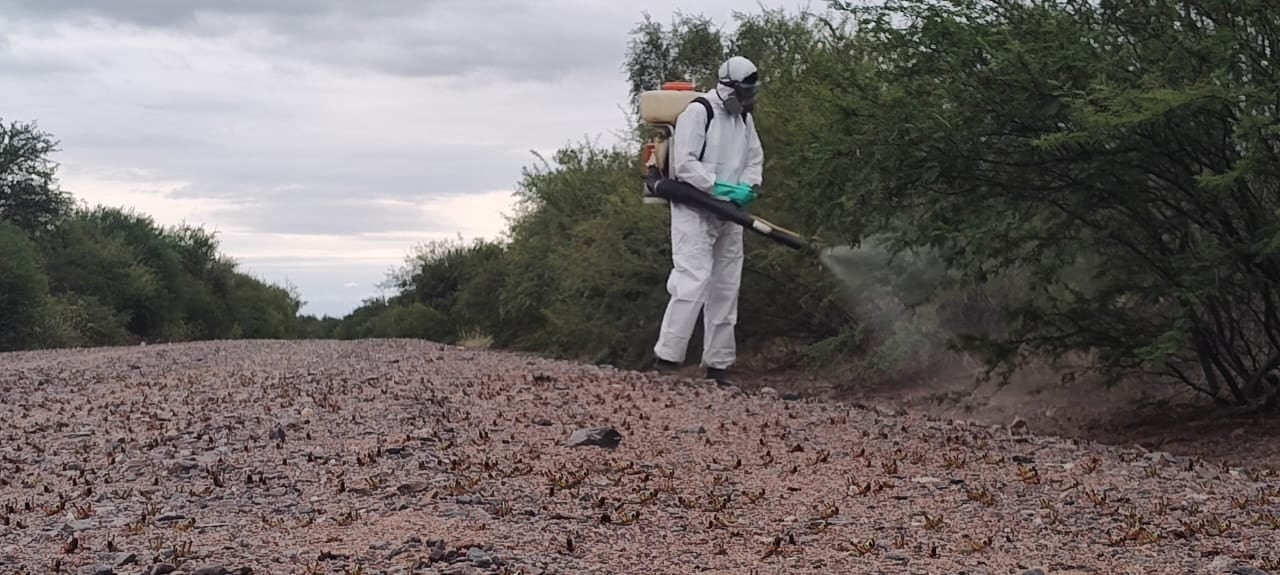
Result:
{"points": [[412, 457]]}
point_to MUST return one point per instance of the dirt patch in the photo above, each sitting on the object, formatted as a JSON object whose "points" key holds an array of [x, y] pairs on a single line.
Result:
{"points": [[406, 457]]}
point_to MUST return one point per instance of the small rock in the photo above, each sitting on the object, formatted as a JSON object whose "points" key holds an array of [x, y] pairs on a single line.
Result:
{"points": [[790, 396], [606, 437], [1221, 564], [277, 433], [413, 487], [422, 434], [100, 570], [1036, 571], [544, 422], [161, 569], [479, 558], [437, 550], [453, 513], [182, 466], [1018, 426], [211, 570], [78, 525], [411, 543], [696, 429], [122, 559], [1246, 570], [769, 391]]}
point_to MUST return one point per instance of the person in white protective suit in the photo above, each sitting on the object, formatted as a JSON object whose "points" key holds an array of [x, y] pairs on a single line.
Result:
{"points": [[706, 252]]}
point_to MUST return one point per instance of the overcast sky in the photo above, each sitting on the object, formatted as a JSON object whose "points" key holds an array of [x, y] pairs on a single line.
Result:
{"points": [[322, 139]]}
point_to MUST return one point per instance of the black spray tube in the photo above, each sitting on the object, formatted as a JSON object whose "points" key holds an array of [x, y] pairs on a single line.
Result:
{"points": [[682, 193]]}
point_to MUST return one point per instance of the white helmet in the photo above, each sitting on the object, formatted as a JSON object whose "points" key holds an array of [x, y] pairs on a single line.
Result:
{"points": [[738, 84]]}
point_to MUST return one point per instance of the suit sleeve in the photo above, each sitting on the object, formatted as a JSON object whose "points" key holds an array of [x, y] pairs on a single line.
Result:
{"points": [[754, 173], [688, 140]]}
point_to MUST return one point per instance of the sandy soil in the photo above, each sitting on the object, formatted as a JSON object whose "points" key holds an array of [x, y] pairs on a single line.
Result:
{"points": [[409, 457]]}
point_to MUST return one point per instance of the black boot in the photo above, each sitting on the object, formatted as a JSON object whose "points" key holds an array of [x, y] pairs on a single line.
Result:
{"points": [[664, 366], [720, 376]]}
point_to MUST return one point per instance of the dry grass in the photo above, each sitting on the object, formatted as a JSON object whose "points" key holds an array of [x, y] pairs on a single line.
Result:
{"points": [[475, 340]]}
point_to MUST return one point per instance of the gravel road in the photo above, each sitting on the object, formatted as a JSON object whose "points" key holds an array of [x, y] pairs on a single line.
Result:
{"points": [[402, 457]]}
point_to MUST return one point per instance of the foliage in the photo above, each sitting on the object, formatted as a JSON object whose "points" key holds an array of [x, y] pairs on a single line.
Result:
{"points": [[24, 289], [1117, 156], [79, 276], [29, 196]]}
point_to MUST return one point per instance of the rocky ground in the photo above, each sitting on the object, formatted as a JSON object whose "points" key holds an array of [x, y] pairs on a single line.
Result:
{"points": [[405, 457]]}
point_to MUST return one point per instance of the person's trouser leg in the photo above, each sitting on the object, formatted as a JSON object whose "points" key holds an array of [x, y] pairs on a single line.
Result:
{"points": [[692, 261], [720, 316]]}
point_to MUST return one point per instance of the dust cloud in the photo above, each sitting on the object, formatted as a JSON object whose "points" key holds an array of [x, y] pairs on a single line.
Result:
{"points": [[903, 306], [885, 290]]}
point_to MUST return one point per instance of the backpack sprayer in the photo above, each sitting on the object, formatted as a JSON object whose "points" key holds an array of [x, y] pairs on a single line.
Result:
{"points": [[660, 108]]}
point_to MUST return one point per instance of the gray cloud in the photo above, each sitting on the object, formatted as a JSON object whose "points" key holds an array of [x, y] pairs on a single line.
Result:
{"points": [[187, 12], [358, 172], [306, 215], [516, 41], [24, 65], [434, 38]]}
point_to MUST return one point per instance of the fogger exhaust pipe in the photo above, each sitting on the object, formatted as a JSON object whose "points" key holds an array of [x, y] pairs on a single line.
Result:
{"points": [[680, 192]]}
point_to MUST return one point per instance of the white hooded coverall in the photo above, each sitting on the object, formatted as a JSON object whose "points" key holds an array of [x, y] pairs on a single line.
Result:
{"points": [[707, 252]]}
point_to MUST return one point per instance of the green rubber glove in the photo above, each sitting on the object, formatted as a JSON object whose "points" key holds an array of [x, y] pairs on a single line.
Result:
{"points": [[740, 194]]}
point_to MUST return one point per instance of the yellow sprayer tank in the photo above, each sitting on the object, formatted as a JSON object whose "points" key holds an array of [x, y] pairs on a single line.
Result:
{"points": [[661, 108]]}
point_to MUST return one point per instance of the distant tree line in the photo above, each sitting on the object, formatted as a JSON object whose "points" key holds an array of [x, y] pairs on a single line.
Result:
{"points": [[73, 276]]}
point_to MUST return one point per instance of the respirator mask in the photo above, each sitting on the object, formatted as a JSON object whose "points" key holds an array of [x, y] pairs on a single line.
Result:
{"points": [[742, 99]]}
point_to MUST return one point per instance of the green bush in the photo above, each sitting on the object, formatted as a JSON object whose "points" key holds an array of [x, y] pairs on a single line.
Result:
{"points": [[114, 275], [24, 290], [415, 320], [84, 321]]}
